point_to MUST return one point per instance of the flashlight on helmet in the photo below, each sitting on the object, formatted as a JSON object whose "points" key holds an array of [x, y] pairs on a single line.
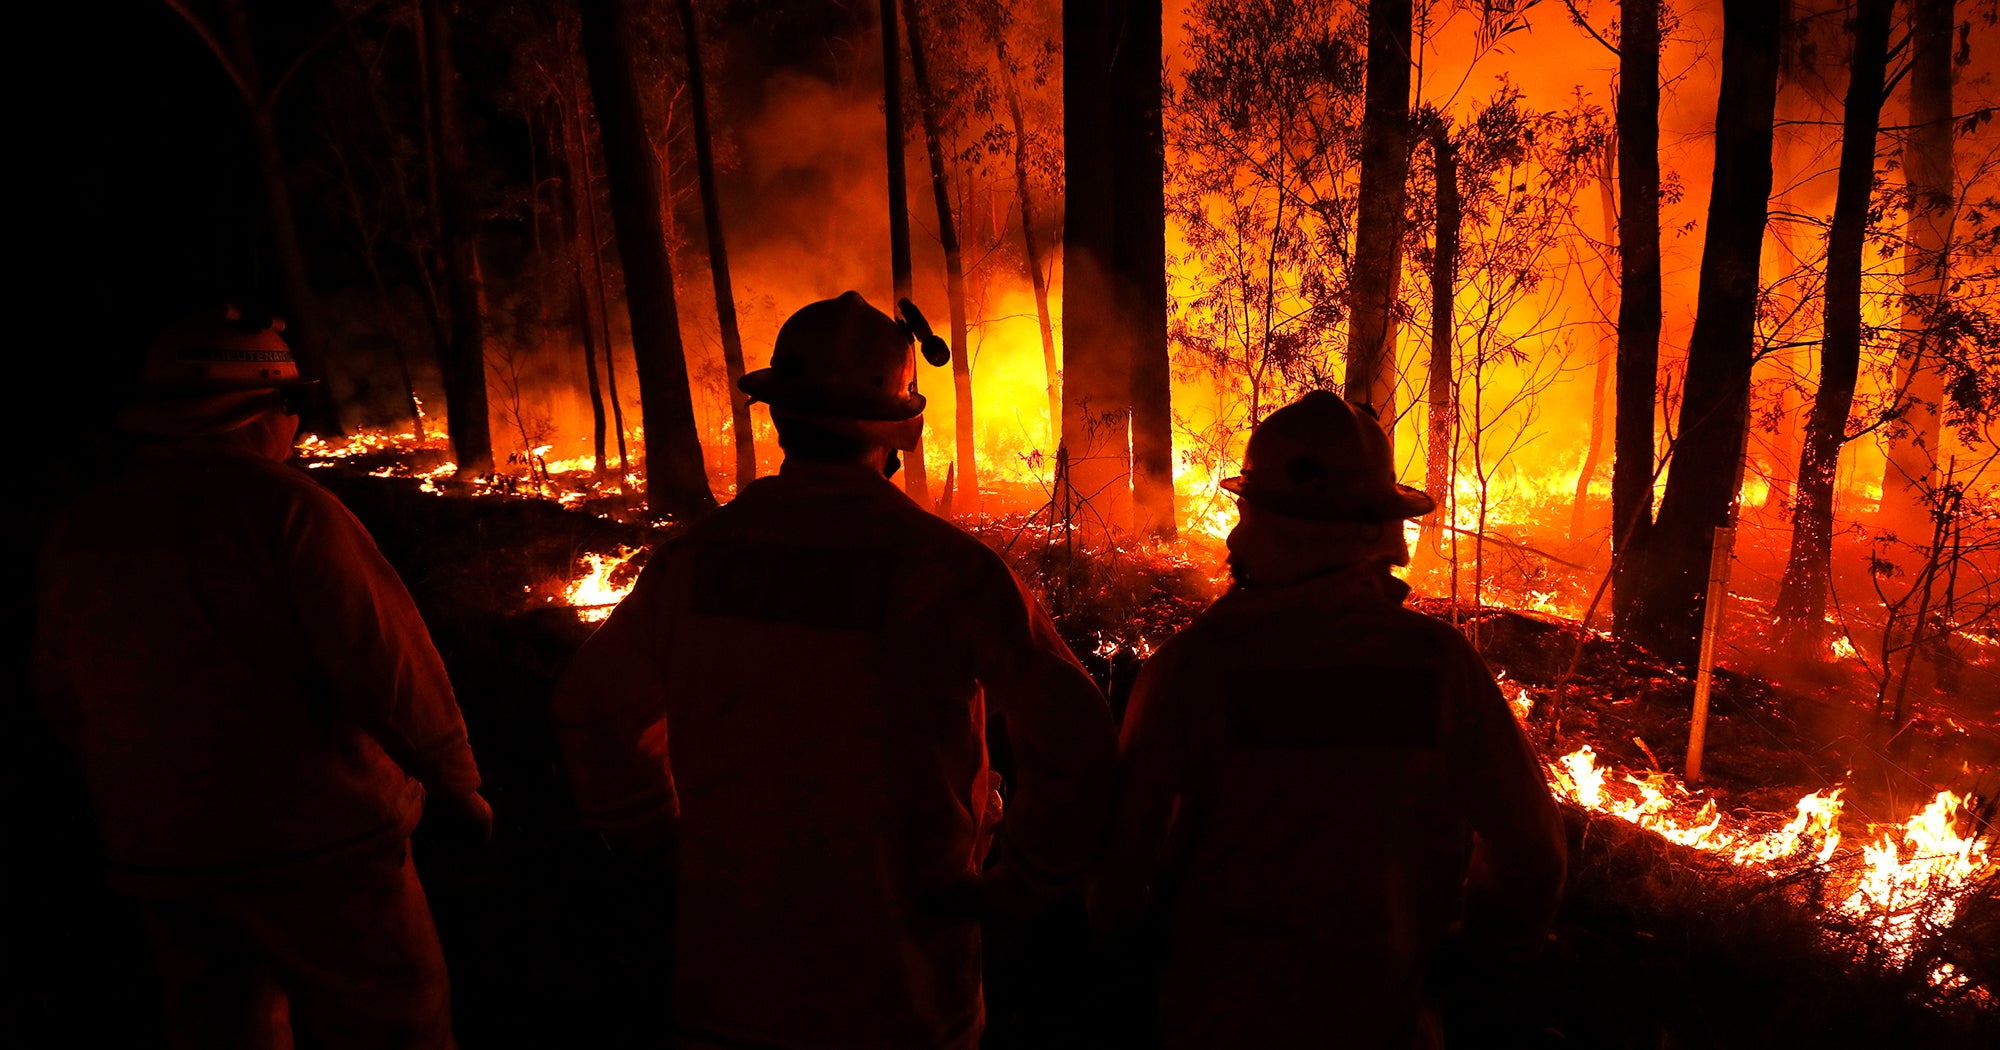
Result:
{"points": [[935, 349]]}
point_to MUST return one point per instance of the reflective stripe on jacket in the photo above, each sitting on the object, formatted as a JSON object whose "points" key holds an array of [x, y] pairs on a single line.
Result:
{"points": [[799, 686], [239, 671], [1316, 767]]}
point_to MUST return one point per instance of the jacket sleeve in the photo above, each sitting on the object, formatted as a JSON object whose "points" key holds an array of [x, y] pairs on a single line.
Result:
{"points": [[1060, 730], [1155, 750], [610, 716], [1518, 859], [371, 645]]}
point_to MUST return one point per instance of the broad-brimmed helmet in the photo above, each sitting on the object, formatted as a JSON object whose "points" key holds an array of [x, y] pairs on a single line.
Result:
{"points": [[1325, 459], [843, 364]]}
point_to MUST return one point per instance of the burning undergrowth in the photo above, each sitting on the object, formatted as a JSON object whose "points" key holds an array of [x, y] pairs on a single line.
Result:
{"points": [[1820, 875]]}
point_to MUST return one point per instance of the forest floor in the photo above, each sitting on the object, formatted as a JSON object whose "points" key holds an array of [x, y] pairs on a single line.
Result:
{"points": [[553, 937]]}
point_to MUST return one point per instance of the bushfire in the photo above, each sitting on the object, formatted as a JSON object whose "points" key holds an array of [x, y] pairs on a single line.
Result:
{"points": [[1878, 888]]}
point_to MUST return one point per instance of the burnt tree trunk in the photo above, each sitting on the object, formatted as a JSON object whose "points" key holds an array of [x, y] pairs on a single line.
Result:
{"points": [[593, 254], [1378, 229], [718, 250], [916, 475], [676, 480], [1803, 593], [965, 498], [1443, 407], [584, 251], [1037, 277], [1607, 353], [464, 363], [1139, 183], [1715, 401], [1638, 366], [1911, 474]]}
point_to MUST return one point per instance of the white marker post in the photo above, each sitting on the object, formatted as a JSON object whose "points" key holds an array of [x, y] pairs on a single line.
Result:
{"points": [[1711, 625]]}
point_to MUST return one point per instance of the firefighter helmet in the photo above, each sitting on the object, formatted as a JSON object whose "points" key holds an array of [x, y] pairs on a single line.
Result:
{"points": [[843, 364], [1325, 459], [219, 350]]}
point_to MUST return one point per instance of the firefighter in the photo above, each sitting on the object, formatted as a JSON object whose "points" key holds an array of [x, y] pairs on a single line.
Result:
{"points": [[793, 700], [1310, 772], [258, 711]]}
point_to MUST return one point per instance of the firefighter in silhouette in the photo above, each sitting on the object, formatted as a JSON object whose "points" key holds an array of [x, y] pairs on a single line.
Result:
{"points": [[1310, 772], [258, 712], [794, 696]]}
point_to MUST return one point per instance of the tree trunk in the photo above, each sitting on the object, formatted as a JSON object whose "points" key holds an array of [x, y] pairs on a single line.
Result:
{"points": [[676, 479], [1037, 277], [1600, 382], [1802, 595], [464, 364], [1715, 400], [1095, 456], [1442, 405], [916, 475], [1638, 363], [965, 499], [1911, 474], [318, 415], [583, 245], [592, 255], [1139, 188], [718, 252], [1378, 229]]}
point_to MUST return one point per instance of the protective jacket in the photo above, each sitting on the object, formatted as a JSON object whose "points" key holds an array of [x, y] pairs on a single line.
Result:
{"points": [[798, 687], [1315, 767], [243, 677]]}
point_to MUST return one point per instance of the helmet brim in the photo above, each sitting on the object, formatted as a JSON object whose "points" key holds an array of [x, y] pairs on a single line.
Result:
{"points": [[774, 389], [1403, 504]]}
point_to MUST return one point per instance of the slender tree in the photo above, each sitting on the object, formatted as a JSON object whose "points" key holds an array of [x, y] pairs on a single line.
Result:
{"points": [[1378, 231], [583, 256], [593, 248], [1802, 594], [238, 59], [718, 250], [1607, 354], [464, 363], [916, 479], [676, 479], [965, 499], [1715, 399], [1638, 366], [1441, 404], [1911, 472], [1038, 278]]}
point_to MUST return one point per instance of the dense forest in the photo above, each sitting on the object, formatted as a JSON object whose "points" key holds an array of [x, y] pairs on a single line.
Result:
{"points": [[1687, 314]]}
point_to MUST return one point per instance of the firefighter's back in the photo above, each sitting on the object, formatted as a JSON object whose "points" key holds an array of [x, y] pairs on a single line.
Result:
{"points": [[827, 742], [1322, 846]]}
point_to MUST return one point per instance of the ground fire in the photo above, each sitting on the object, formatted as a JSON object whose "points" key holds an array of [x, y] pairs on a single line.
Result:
{"points": [[1677, 326]]}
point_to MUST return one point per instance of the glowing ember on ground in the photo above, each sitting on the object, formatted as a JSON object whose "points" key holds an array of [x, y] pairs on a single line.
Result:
{"points": [[1894, 890], [594, 594]]}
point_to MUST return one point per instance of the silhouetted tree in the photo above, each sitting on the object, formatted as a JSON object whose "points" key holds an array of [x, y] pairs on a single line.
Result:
{"points": [[718, 251], [965, 498], [1802, 595], [1638, 304], [1715, 399], [676, 479], [464, 362], [1378, 234]]}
